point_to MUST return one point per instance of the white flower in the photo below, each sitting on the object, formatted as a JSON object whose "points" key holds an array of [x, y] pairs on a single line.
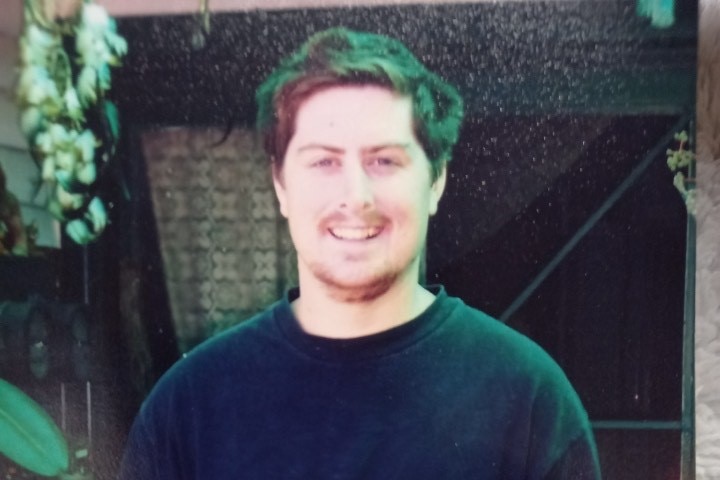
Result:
{"points": [[97, 215], [60, 135], [117, 45], [37, 88], [691, 201], [49, 102], [679, 182], [83, 41], [31, 120], [86, 85], [32, 55], [37, 45], [66, 160], [95, 17], [44, 142], [67, 200], [85, 144], [29, 75], [28, 55], [96, 39], [87, 173], [44, 92], [91, 48], [48, 169], [40, 39], [72, 104]]}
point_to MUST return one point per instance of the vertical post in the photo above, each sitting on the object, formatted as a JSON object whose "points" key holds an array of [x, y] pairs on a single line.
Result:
{"points": [[88, 402], [86, 275], [687, 435], [63, 409]]}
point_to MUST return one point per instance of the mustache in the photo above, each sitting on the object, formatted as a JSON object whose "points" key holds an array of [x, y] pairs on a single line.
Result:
{"points": [[342, 218]]}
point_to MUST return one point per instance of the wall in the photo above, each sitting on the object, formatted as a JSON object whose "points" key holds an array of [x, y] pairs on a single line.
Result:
{"points": [[10, 135], [707, 344], [12, 9], [15, 160]]}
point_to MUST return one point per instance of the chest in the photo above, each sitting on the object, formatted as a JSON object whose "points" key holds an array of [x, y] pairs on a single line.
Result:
{"points": [[357, 423]]}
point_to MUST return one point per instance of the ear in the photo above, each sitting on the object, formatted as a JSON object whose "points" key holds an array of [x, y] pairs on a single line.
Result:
{"points": [[279, 186], [436, 190]]}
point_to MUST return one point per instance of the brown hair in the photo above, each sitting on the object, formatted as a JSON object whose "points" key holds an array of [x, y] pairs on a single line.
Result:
{"points": [[343, 57]]}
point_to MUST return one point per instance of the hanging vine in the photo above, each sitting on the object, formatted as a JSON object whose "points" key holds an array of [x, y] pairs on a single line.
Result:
{"points": [[71, 126], [681, 162]]}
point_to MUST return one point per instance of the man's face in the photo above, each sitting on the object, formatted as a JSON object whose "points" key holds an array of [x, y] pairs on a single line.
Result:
{"points": [[356, 189]]}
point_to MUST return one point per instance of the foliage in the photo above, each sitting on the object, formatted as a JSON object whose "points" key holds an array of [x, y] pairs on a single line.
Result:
{"points": [[28, 436], [660, 12], [681, 161], [71, 126]]}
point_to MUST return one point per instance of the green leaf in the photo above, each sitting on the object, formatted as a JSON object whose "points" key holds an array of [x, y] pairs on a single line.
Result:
{"points": [[28, 436], [113, 120], [681, 136]]}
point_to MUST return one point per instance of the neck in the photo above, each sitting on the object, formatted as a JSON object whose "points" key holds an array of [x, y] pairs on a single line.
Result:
{"points": [[324, 314]]}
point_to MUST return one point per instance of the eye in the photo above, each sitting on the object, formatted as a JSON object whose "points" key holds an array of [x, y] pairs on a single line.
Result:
{"points": [[384, 161], [324, 162]]}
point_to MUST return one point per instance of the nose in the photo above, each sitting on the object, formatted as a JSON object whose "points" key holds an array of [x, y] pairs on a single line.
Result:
{"points": [[358, 189]]}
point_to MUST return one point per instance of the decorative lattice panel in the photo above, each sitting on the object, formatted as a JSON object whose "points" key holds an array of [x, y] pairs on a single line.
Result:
{"points": [[225, 246]]}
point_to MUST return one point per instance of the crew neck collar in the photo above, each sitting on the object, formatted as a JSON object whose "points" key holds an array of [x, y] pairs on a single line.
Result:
{"points": [[366, 347]]}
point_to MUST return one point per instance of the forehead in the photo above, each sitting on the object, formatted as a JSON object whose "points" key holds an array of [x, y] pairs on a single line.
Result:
{"points": [[353, 115]]}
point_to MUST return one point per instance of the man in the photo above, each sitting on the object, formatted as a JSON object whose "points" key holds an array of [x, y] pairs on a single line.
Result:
{"points": [[362, 373]]}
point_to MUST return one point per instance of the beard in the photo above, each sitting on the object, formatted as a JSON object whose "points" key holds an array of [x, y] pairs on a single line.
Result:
{"points": [[354, 292], [359, 277]]}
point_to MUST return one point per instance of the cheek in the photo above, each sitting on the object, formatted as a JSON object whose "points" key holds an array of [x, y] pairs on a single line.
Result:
{"points": [[413, 202], [304, 207]]}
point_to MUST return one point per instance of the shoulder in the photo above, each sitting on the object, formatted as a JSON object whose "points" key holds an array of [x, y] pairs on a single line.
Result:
{"points": [[509, 358], [217, 360], [237, 341], [532, 381], [200, 386], [484, 335]]}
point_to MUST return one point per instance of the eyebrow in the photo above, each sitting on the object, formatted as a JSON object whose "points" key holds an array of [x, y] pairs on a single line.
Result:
{"points": [[320, 146], [386, 146], [333, 149]]}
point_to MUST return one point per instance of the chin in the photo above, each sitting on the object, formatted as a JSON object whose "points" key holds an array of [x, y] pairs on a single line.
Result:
{"points": [[360, 280], [357, 289]]}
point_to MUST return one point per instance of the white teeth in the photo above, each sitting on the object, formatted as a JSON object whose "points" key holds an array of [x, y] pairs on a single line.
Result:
{"points": [[354, 233]]}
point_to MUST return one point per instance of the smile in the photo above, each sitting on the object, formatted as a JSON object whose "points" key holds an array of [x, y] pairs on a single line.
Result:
{"points": [[355, 233]]}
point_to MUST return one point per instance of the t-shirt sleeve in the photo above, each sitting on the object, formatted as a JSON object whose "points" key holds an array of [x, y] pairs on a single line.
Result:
{"points": [[152, 451], [140, 459], [563, 446], [578, 462]]}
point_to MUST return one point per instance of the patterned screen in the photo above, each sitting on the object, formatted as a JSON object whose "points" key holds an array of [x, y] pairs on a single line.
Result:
{"points": [[226, 250]]}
